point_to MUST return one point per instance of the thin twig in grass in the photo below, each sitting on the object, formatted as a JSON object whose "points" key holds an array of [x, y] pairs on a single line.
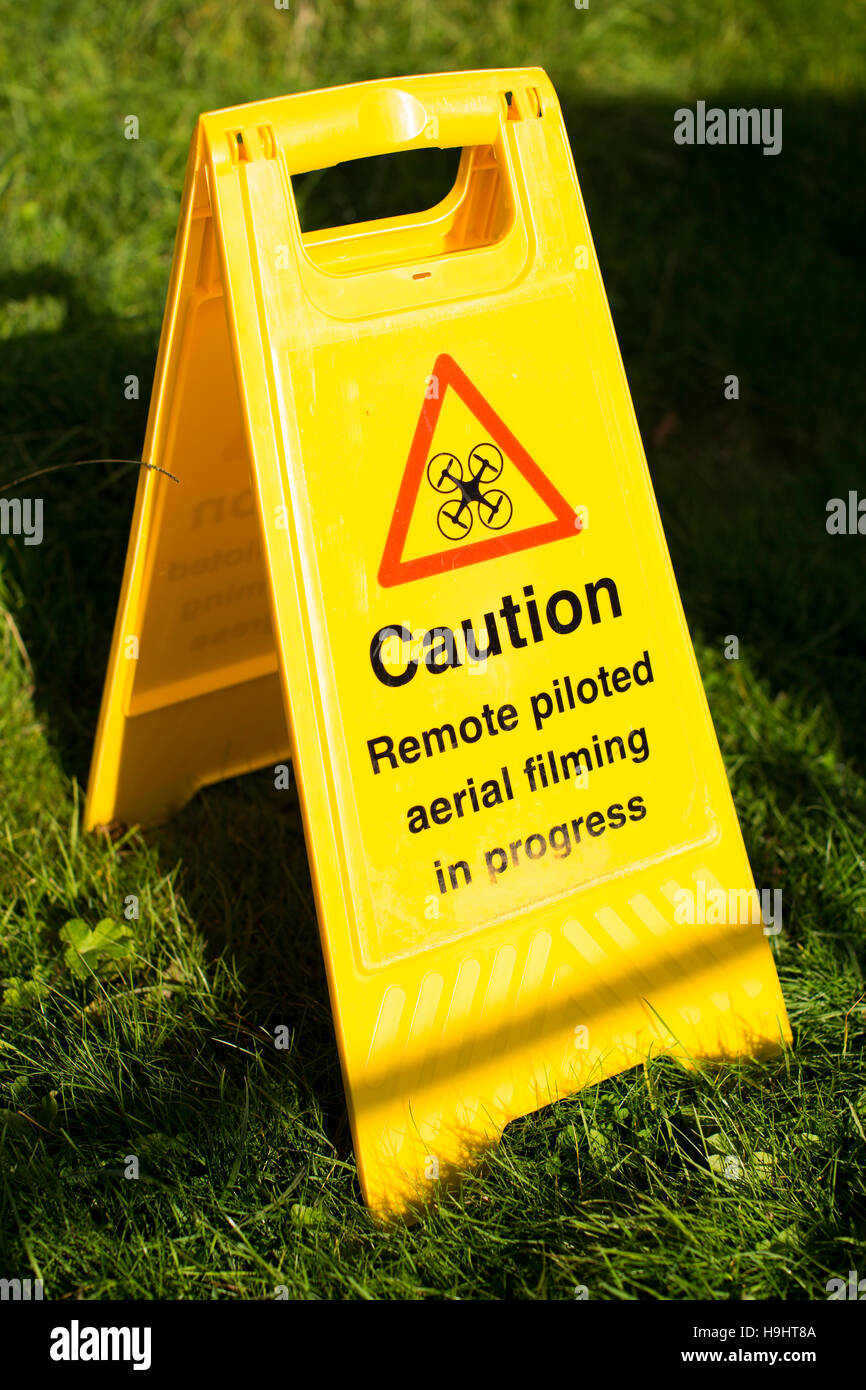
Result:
{"points": [[79, 463]]}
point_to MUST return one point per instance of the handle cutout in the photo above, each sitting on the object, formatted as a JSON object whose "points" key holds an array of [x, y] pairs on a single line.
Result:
{"points": [[476, 211], [368, 190]]}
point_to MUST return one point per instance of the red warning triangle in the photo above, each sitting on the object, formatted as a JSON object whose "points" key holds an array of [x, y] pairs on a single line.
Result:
{"points": [[394, 569]]}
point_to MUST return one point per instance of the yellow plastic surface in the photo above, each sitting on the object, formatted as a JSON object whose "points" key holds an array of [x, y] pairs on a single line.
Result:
{"points": [[386, 434]]}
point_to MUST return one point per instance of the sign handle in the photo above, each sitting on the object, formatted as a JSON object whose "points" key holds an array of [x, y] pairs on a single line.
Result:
{"points": [[326, 128]]}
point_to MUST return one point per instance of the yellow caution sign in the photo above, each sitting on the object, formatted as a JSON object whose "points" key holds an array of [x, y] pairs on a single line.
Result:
{"points": [[404, 531]]}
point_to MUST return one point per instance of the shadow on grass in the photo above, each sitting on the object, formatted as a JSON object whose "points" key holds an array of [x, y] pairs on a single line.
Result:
{"points": [[258, 908]]}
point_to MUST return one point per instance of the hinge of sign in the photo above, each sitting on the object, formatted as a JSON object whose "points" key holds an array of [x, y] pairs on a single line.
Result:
{"points": [[523, 104], [238, 146], [268, 141], [244, 147]]}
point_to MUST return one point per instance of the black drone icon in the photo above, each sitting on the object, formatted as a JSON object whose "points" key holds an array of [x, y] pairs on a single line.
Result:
{"points": [[445, 474]]}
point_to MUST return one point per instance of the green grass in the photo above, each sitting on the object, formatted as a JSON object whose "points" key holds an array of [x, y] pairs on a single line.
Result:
{"points": [[715, 262]]}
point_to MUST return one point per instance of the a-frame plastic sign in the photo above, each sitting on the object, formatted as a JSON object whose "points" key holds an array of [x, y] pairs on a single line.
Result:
{"points": [[413, 543]]}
